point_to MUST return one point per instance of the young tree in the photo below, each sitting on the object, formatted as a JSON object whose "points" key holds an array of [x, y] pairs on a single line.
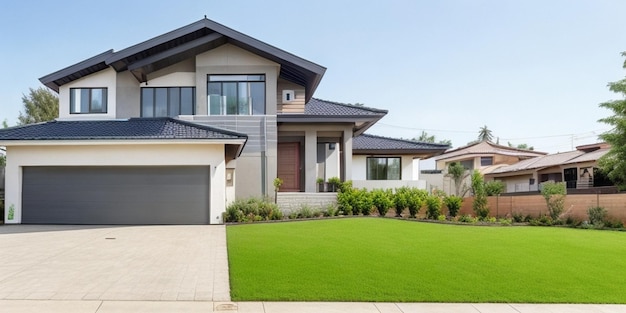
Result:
{"points": [[479, 205], [484, 134], [40, 105], [554, 194], [613, 164], [458, 173]]}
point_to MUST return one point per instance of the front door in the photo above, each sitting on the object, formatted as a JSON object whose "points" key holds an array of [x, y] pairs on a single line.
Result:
{"points": [[289, 165]]}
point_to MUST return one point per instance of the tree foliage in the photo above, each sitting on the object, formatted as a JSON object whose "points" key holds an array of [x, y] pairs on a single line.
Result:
{"points": [[613, 164], [426, 137], [40, 105], [522, 146], [554, 193], [484, 134], [458, 173], [480, 196], [494, 187]]}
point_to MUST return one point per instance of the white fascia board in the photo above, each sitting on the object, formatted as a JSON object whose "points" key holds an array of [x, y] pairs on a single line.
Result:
{"points": [[93, 142]]}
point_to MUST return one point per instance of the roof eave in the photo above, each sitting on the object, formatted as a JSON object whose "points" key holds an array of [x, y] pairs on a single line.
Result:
{"points": [[49, 80]]}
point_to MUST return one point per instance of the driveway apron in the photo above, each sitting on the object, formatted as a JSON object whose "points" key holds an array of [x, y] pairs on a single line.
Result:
{"points": [[169, 263]]}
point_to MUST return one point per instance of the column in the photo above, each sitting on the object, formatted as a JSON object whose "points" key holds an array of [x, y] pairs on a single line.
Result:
{"points": [[310, 160], [347, 154]]}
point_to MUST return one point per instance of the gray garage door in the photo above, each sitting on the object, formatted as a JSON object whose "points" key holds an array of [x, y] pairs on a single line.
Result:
{"points": [[115, 195]]}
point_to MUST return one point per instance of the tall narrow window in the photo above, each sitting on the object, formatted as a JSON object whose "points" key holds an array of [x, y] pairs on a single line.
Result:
{"points": [[236, 94], [167, 101], [384, 168], [88, 100]]}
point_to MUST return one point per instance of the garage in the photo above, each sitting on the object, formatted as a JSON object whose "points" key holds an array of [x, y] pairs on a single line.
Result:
{"points": [[116, 195]]}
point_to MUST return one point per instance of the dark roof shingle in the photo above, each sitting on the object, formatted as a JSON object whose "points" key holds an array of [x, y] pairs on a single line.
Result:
{"points": [[134, 128], [323, 107], [371, 144]]}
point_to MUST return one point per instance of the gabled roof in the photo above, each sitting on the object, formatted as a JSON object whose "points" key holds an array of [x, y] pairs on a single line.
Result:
{"points": [[371, 144], [563, 158], [323, 111], [487, 147], [185, 42], [130, 129]]}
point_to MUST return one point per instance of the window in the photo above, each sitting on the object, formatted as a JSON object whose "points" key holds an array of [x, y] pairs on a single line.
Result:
{"points": [[88, 100], [236, 94], [383, 168], [168, 101], [486, 161]]}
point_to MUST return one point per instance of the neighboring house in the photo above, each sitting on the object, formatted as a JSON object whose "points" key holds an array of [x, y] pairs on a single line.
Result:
{"points": [[482, 156], [172, 129], [578, 169]]}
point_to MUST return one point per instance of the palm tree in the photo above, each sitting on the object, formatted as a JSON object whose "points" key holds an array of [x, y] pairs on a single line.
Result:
{"points": [[484, 134]]}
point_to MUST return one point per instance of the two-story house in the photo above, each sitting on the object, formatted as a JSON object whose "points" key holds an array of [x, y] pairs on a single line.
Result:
{"points": [[170, 130]]}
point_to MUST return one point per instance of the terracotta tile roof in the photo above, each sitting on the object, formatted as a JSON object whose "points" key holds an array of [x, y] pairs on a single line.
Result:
{"points": [[134, 128], [485, 147], [549, 160]]}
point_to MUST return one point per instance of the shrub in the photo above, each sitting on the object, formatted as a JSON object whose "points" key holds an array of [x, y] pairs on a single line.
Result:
{"points": [[362, 202], [250, 210], [401, 200], [381, 199], [554, 193], [494, 187], [505, 221], [416, 198], [441, 217], [572, 221], [305, 212], [518, 217], [491, 219], [453, 203], [334, 184], [597, 215], [467, 219], [433, 207], [345, 200], [330, 210], [480, 196]]}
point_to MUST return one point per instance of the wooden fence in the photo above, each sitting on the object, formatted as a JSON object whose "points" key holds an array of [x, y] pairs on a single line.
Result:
{"points": [[535, 205]]}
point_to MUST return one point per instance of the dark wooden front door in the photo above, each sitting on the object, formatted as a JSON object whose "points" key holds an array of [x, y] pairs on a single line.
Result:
{"points": [[289, 165]]}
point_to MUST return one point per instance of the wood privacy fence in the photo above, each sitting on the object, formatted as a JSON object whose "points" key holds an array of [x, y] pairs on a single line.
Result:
{"points": [[535, 205]]}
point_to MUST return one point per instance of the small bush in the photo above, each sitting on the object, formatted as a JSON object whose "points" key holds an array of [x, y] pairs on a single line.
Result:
{"points": [[597, 215], [305, 212], [505, 221], [494, 187], [401, 200], [467, 219], [518, 217], [330, 210], [528, 218], [381, 199], [491, 219], [571, 221], [433, 207], [441, 217], [334, 184], [416, 198], [453, 203], [276, 215], [251, 210], [614, 224]]}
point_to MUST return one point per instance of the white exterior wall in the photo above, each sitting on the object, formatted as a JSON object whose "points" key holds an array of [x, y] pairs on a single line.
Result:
{"points": [[359, 167], [103, 79], [115, 154]]}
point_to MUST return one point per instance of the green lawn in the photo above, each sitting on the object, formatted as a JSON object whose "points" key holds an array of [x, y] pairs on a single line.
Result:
{"points": [[377, 259]]}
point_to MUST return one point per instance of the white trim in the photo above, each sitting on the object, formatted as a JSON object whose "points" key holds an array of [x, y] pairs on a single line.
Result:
{"points": [[96, 142]]}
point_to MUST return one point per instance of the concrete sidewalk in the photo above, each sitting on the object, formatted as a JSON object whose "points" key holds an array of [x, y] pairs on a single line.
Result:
{"points": [[88, 306]]}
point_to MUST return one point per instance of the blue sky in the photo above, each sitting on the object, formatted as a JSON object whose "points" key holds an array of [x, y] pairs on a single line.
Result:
{"points": [[532, 71]]}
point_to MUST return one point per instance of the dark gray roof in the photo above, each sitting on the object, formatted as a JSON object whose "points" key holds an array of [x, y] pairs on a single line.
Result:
{"points": [[371, 144], [185, 42], [134, 128], [324, 107], [322, 111]]}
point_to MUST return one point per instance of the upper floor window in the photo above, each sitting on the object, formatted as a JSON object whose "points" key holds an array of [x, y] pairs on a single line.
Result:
{"points": [[236, 94], [383, 168], [167, 101], [88, 100], [486, 161]]}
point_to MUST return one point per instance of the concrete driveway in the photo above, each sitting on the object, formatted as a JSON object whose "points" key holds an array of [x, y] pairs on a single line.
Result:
{"points": [[170, 263]]}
